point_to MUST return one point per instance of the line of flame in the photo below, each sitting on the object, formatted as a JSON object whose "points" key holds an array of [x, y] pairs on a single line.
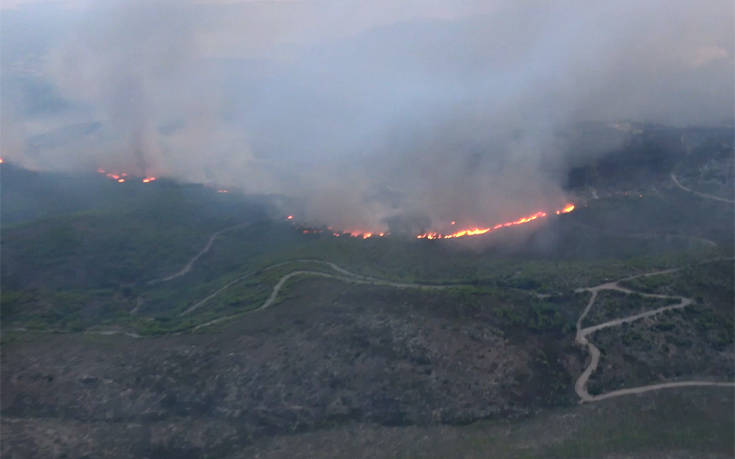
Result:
{"points": [[569, 207], [355, 234]]}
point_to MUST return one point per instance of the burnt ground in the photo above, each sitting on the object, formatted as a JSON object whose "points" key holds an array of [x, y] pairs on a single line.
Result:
{"points": [[330, 353]]}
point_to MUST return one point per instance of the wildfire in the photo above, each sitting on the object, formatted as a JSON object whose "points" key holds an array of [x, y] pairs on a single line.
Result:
{"points": [[359, 234], [335, 233], [568, 208], [121, 177], [354, 234], [478, 231]]}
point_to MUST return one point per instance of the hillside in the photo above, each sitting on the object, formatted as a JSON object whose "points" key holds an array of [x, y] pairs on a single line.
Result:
{"points": [[168, 320]]}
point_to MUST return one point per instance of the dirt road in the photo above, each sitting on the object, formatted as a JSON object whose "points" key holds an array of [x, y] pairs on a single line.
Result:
{"points": [[347, 277], [668, 385], [702, 195], [581, 338], [344, 275], [187, 267]]}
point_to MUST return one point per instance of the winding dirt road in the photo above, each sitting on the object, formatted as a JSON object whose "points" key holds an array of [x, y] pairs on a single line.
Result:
{"points": [[187, 267], [581, 337], [580, 386], [346, 276], [349, 277], [702, 195], [668, 385]]}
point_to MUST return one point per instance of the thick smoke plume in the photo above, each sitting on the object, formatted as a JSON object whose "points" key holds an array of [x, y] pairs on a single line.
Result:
{"points": [[366, 113]]}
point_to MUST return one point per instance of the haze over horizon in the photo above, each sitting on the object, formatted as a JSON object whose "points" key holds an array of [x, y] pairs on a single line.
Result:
{"points": [[361, 111]]}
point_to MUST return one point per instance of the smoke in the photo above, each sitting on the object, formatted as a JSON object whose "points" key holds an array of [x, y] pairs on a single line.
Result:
{"points": [[363, 113]]}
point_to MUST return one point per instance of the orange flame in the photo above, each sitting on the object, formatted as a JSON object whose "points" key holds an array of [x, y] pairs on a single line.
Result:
{"points": [[362, 234], [353, 234], [477, 231], [568, 208], [119, 177]]}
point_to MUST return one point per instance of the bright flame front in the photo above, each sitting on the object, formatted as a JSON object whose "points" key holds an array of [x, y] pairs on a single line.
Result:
{"points": [[569, 207], [475, 231]]}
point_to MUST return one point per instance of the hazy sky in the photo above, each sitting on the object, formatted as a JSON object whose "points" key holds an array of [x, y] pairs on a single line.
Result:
{"points": [[363, 109]]}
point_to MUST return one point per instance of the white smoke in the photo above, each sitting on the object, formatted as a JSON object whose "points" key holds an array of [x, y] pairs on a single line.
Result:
{"points": [[362, 110]]}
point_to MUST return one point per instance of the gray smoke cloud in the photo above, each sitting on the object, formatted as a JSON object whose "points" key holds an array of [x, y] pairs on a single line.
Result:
{"points": [[363, 112]]}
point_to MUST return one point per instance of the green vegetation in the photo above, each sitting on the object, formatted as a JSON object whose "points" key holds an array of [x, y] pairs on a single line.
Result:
{"points": [[612, 304], [710, 281], [88, 262], [501, 328], [92, 269]]}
